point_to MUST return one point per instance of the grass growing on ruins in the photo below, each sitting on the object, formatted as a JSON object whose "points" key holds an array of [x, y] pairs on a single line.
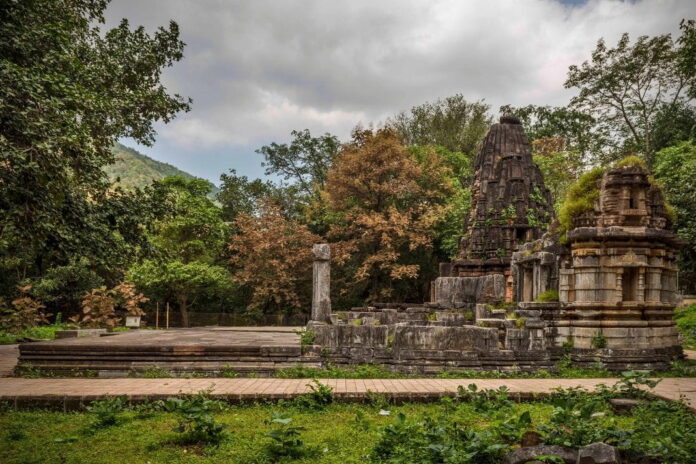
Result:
{"points": [[474, 426]]}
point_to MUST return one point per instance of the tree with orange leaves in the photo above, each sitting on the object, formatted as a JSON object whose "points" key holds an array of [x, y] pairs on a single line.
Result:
{"points": [[272, 256], [388, 203]]}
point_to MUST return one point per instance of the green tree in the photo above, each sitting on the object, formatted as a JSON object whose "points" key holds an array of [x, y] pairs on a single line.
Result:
{"points": [[196, 230], [185, 283], [190, 250], [686, 59], [304, 162], [238, 195], [674, 168], [624, 88], [452, 122], [68, 91]]}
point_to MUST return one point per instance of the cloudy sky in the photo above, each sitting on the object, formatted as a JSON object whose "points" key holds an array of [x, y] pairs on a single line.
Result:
{"points": [[258, 69]]}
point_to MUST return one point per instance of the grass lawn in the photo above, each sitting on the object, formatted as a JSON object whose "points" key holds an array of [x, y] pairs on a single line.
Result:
{"points": [[477, 427], [45, 332]]}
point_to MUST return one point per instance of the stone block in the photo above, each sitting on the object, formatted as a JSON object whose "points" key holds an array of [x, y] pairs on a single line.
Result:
{"points": [[524, 455], [598, 453], [77, 333]]}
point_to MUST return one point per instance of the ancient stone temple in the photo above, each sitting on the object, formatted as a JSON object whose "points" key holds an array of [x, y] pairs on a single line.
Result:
{"points": [[510, 206]]}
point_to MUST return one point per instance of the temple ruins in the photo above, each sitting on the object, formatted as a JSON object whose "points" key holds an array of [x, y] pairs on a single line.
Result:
{"points": [[515, 297]]}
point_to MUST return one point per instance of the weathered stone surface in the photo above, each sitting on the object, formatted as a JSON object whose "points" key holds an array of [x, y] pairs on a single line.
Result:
{"points": [[459, 292], [598, 453], [507, 190], [524, 455], [624, 405], [321, 284], [80, 333]]}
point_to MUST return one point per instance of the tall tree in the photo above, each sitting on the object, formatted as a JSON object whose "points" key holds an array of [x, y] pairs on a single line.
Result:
{"points": [[452, 122], [68, 91], [624, 87], [304, 162], [387, 206], [272, 256], [191, 246], [674, 169]]}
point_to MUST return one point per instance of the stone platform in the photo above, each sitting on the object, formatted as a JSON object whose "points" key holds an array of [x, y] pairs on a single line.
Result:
{"points": [[202, 350]]}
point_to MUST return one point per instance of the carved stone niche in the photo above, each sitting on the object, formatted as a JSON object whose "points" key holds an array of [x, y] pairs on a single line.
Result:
{"points": [[535, 268]]}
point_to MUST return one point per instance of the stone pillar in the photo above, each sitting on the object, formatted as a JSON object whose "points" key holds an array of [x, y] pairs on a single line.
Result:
{"points": [[321, 280]]}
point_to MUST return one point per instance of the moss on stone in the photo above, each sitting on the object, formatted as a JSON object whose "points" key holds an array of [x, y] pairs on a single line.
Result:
{"points": [[581, 199]]}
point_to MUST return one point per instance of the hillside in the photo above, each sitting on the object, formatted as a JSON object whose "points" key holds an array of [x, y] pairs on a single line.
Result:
{"points": [[137, 170]]}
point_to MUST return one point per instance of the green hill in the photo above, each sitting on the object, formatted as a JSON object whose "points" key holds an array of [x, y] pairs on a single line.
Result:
{"points": [[133, 169]]}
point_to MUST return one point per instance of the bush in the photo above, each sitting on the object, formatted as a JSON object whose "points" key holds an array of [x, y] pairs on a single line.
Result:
{"points": [[197, 424], [106, 411], [25, 313], [286, 441], [547, 296], [320, 396]]}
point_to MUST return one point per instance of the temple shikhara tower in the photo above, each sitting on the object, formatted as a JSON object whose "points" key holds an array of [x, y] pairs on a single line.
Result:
{"points": [[510, 204]]}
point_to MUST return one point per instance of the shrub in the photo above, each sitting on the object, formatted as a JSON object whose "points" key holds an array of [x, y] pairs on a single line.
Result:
{"points": [[599, 341], [307, 338], [197, 424], [320, 396], [547, 296], [106, 410], [286, 441], [686, 323], [484, 400], [25, 313]]}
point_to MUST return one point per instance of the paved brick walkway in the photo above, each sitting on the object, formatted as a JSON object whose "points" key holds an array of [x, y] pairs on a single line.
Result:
{"points": [[70, 393]]}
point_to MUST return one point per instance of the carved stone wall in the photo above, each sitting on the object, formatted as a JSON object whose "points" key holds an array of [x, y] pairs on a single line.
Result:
{"points": [[618, 286], [510, 204]]}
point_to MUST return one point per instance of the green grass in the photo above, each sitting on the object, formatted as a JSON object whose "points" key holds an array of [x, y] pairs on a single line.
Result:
{"points": [[46, 332], [340, 432]]}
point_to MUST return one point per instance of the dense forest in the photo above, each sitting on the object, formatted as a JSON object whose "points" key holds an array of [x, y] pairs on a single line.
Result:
{"points": [[391, 200]]}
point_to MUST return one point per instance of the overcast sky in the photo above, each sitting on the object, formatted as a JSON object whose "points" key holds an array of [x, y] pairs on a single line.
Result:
{"points": [[258, 69]]}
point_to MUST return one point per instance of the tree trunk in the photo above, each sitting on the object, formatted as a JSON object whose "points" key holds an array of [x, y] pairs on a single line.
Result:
{"points": [[183, 308]]}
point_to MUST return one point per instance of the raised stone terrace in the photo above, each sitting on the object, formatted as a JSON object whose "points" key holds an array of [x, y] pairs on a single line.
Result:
{"points": [[209, 350]]}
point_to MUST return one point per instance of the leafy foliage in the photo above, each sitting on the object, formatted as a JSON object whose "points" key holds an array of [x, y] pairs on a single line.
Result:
{"points": [[304, 162], [69, 91], [674, 168], [452, 122], [389, 205], [286, 441], [271, 254], [25, 313], [686, 323], [624, 87]]}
